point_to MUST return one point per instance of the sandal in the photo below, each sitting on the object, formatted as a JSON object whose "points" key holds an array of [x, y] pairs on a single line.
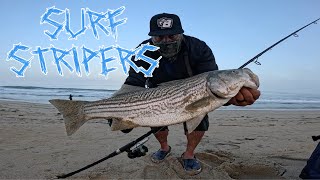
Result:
{"points": [[191, 166], [160, 155]]}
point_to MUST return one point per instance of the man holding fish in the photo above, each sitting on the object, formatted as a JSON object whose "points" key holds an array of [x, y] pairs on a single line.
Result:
{"points": [[185, 87], [182, 57]]}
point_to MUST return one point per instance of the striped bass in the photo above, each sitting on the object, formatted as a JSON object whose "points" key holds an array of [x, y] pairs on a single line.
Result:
{"points": [[186, 100]]}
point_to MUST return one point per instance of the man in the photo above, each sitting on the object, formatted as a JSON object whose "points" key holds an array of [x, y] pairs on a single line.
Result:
{"points": [[182, 56]]}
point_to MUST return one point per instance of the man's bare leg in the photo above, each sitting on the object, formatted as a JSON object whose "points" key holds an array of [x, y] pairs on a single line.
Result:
{"points": [[194, 139], [162, 137]]}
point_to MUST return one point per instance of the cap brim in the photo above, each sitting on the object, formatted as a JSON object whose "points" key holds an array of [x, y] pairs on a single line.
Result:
{"points": [[165, 32]]}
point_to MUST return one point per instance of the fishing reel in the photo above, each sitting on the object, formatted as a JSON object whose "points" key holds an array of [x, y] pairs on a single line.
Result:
{"points": [[138, 150]]}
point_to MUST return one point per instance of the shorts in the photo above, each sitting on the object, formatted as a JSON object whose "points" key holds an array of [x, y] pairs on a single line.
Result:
{"points": [[203, 126]]}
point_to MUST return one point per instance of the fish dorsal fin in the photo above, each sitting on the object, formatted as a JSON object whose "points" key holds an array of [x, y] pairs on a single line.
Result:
{"points": [[125, 88], [121, 124], [169, 83], [193, 123]]}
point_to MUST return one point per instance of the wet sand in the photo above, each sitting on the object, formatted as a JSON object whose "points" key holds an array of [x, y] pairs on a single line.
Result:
{"points": [[239, 145]]}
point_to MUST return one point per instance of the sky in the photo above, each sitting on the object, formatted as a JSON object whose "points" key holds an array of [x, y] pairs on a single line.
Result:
{"points": [[235, 31]]}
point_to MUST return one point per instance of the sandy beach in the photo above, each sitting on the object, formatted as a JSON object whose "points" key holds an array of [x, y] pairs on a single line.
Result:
{"points": [[240, 144]]}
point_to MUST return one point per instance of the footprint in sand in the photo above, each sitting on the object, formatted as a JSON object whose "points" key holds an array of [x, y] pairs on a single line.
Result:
{"points": [[215, 165], [172, 168], [253, 171], [226, 146]]}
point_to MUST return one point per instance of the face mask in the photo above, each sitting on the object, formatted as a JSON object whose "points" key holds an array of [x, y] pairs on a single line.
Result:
{"points": [[169, 49]]}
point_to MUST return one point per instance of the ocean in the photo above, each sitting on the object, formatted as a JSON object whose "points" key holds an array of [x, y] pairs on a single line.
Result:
{"points": [[268, 100]]}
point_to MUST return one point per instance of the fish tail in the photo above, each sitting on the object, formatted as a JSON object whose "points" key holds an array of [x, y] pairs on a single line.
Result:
{"points": [[72, 112]]}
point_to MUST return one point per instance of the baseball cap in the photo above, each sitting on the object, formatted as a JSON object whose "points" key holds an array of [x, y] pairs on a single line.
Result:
{"points": [[165, 24]]}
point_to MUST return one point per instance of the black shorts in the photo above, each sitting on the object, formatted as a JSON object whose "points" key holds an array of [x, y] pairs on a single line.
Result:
{"points": [[203, 126]]}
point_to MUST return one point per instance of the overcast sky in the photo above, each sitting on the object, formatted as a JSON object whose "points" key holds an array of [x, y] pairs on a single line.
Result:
{"points": [[234, 30]]}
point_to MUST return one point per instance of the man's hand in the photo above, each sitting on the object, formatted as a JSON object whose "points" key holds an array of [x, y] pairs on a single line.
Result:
{"points": [[246, 96]]}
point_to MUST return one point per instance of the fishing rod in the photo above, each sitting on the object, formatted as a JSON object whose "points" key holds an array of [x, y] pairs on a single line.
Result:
{"points": [[255, 58], [136, 148]]}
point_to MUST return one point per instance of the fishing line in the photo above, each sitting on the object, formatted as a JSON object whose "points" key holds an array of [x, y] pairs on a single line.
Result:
{"points": [[255, 58]]}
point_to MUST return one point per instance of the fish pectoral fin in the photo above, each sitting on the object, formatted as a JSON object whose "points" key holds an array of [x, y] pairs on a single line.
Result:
{"points": [[193, 123], [121, 124], [195, 106]]}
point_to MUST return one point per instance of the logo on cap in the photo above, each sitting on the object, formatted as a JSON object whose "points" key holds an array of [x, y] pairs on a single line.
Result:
{"points": [[164, 22]]}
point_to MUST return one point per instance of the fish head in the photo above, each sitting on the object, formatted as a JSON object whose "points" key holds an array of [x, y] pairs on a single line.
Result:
{"points": [[227, 83]]}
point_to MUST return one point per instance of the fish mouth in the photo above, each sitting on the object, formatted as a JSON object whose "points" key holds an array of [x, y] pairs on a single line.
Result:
{"points": [[217, 95]]}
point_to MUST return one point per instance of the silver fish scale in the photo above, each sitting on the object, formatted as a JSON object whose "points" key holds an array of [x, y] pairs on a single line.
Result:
{"points": [[185, 100], [164, 100]]}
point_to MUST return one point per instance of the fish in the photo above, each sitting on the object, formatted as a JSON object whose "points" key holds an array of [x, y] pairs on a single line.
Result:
{"points": [[185, 100]]}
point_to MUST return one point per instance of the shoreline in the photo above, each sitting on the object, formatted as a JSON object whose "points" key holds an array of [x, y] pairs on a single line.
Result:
{"points": [[219, 109], [269, 144]]}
